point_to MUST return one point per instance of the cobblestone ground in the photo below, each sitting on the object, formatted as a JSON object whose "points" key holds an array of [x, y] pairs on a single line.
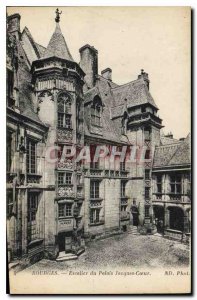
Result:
{"points": [[125, 250]]}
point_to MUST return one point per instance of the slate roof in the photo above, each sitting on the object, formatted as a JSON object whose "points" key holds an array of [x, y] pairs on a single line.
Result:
{"points": [[33, 50], [110, 82], [29, 112], [136, 93], [41, 49], [117, 111], [172, 155], [90, 94], [57, 46], [113, 98], [25, 89], [109, 129], [112, 95], [166, 140]]}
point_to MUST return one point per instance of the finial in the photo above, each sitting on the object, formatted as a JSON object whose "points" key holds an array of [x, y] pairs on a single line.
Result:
{"points": [[57, 19]]}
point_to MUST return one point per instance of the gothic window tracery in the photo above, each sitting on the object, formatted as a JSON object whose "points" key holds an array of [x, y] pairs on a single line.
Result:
{"points": [[96, 111], [64, 111]]}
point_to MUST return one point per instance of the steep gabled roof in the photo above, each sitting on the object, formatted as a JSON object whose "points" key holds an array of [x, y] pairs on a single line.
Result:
{"points": [[167, 140], [90, 94], [26, 105], [175, 154], [113, 98], [136, 92], [41, 49], [110, 130], [57, 46], [33, 50]]}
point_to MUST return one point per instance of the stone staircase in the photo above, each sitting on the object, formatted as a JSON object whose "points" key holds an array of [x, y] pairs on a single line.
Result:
{"points": [[70, 256], [66, 256], [134, 231]]}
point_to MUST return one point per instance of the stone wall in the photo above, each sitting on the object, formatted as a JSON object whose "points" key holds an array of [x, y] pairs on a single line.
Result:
{"points": [[110, 190]]}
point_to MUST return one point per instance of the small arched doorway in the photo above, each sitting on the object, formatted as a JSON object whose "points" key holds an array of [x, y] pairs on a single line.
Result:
{"points": [[135, 214], [176, 218]]}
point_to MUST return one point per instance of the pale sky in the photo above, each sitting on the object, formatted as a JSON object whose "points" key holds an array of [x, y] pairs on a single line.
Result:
{"points": [[156, 39]]}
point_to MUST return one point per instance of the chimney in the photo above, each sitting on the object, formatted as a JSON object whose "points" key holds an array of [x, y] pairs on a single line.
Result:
{"points": [[89, 64], [107, 74], [13, 25], [145, 77]]}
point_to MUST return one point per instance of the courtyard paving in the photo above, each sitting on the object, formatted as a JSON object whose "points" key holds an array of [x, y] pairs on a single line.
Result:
{"points": [[125, 250]]}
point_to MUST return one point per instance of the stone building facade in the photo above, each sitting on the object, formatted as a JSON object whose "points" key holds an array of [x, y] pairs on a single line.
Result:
{"points": [[171, 180], [56, 106]]}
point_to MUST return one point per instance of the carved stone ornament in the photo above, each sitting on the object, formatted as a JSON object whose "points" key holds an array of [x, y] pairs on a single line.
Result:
{"points": [[65, 164], [80, 194], [45, 95], [64, 135], [65, 192]]}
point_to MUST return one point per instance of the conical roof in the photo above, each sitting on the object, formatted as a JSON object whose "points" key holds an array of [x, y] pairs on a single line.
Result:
{"points": [[57, 46]]}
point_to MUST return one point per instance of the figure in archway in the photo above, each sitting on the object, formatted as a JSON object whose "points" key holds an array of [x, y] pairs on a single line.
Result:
{"points": [[135, 215], [159, 217]]}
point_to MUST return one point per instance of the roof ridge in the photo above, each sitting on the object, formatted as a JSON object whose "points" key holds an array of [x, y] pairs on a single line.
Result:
{"points": [[109, 81], [128, 83], [169, 145]]}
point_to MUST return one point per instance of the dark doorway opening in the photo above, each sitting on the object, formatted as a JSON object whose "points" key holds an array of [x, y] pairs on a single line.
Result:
{"points": [[135, 213], [176, 218], [124, 228], [65, 242], [159, 217]]}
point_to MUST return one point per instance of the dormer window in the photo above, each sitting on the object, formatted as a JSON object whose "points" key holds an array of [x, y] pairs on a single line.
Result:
{"points": [[64, 111], [96, 110]]}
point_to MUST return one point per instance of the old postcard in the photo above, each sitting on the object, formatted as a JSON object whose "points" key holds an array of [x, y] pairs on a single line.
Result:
{"points": [[98, 150]]}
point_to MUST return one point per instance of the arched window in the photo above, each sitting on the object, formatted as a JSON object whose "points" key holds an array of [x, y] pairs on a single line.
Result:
{"points": [[96, 110], [64, 111]]}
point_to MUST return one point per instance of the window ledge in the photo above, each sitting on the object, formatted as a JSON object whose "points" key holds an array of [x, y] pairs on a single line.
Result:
{"points": [[97, 224], [64, 184], [65, 128], [65, 218], [174, 194], [65, 199], [79, 217], [35, 243], [34, 174]]}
